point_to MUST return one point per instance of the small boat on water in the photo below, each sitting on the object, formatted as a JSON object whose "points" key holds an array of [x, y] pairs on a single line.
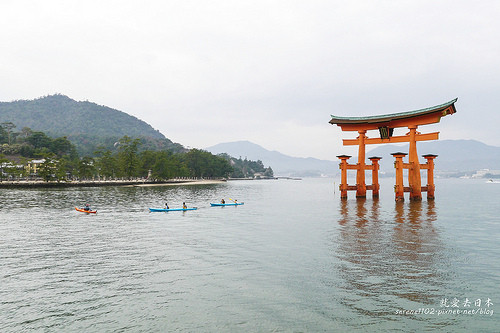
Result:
{"points": [[226, 204], [171, 209], [86, 211]]}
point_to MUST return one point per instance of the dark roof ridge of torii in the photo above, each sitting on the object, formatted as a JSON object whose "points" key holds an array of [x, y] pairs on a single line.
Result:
{"points": [[394, 116]]}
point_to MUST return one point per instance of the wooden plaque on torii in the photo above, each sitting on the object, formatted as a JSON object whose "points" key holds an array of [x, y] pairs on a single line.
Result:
{"points": [[385, 125]]}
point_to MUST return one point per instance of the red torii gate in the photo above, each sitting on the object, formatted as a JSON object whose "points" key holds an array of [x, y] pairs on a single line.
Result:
{"points": [[386, 124]]}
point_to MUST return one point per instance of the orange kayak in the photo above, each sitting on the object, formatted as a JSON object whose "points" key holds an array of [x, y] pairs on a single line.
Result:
{"points": [[86, 211]]}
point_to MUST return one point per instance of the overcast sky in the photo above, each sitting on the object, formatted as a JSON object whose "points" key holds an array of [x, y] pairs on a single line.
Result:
{"points": [[271, 72]]}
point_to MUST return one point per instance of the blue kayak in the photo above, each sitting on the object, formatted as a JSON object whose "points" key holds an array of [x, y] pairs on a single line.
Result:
{"points": [[171, 209], [226, 204]]}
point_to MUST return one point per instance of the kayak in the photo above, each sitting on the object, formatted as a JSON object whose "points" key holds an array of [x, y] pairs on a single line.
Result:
{"points": [[170, 209], [86, 211], [226, 204]]}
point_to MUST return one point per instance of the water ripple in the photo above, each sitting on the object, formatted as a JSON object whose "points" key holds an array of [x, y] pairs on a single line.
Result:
{"points": [[293, 258]]}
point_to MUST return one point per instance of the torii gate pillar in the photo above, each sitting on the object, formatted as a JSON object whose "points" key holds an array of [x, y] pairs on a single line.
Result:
{"points": [[430, 175], [375, 168], [414, 171], [399, 188], [360, 174]]}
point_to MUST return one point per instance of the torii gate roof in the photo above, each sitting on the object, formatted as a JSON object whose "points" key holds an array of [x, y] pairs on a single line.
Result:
{"points": [[425, 116]]}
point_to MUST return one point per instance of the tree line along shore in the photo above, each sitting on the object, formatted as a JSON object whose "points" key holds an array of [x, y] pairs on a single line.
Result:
{"points": [[30, 157], [102, 183]]}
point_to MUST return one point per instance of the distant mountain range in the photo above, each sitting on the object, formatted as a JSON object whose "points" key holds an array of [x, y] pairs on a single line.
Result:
{"points": [[454, 156], [282, 165], [85, 124]]}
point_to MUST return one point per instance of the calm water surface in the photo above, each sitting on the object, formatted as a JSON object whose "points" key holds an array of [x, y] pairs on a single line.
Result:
{"points": [[294, 258]]}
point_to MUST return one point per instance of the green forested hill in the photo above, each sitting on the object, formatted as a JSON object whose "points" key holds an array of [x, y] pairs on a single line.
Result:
{"points": [[86, 124]]}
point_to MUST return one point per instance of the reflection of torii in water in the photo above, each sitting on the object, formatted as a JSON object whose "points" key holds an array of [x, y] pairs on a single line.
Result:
{"points": [[385, 124], [382, 262]]}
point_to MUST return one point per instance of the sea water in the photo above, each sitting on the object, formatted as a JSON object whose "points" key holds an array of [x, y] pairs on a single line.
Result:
{"points": [[293, 258]]}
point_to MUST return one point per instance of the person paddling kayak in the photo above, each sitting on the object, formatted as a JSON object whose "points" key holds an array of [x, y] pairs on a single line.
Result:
{"points": [[87, 207], [166, 205], [222, 201], [184, 205]]}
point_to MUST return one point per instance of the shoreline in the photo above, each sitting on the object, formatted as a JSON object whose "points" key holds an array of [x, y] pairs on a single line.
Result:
{"points": [[102, 183], [177, 183]]}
